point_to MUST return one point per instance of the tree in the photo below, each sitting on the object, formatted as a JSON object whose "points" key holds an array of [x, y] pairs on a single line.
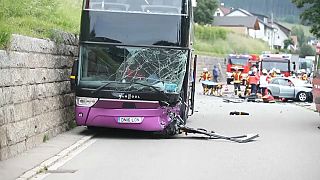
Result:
{"points": [[298, 31], [311, 14], [307, 50], [203, 13], [288, 42]]}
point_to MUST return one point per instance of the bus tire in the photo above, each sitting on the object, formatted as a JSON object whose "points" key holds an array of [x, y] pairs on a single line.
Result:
{"points": [[228, 81]]}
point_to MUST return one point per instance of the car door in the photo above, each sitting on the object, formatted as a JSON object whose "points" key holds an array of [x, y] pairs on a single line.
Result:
{"points": [[274, 87], [286, 88]]}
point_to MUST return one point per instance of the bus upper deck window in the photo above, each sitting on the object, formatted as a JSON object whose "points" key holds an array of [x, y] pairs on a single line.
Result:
{"points": [[115, 5]]}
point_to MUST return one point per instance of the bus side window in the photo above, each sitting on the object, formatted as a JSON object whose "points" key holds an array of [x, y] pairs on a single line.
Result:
{"points": [[95, 4]]}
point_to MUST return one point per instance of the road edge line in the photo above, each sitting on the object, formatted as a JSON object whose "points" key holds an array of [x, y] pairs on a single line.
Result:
{"points": [[54, 159]]}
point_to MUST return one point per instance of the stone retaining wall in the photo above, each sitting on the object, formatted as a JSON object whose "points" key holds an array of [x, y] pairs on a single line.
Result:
{"points": [[209, 62], [35, 98]]}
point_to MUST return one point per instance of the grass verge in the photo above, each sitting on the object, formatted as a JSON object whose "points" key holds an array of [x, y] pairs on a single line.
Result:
{"points": [[38, 18], [217, 41]]}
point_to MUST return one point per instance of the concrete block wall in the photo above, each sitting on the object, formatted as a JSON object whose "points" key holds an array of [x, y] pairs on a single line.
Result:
{"points": [[209, 62], [35, 98]]}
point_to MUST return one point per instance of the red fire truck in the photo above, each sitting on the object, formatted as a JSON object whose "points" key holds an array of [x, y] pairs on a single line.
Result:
{"points": [[276, 61], [316, 79], [242, 62]]}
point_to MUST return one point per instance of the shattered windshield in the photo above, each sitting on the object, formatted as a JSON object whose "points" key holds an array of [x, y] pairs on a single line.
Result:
{"points": [[163, 68]]}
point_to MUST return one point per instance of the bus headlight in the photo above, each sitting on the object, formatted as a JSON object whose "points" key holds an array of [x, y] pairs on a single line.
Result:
{"points": [[85, 101]]}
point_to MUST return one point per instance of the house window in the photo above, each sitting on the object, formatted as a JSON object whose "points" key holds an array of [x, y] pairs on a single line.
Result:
{"points": [[218, 14]]}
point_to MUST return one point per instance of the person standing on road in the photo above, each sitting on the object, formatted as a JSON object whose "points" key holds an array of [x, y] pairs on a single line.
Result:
{"points": [[253, 81], [304, 75], [264, 82], [237, 79], [205, 76], [215, 73]]}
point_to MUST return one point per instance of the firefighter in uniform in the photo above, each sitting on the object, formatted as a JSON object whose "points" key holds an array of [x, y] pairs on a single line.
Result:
{"points": [[205, 76], [237, 79], [304, 75]]}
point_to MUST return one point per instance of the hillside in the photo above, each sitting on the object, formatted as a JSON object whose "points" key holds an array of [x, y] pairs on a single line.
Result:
{"points": [[38, 18], [216, 41], [283, 10]]}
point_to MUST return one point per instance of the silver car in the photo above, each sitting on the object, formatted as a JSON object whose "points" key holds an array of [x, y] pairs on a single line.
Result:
{"points": [[290, 88]]}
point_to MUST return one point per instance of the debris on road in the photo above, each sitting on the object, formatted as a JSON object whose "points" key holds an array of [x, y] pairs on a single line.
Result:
{"points": [[180, 128], [238, 113], [233, 100], [212, 135]]}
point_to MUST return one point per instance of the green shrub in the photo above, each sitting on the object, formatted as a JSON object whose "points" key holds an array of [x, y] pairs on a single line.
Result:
{"points": [[5, 35], [210, 33]]}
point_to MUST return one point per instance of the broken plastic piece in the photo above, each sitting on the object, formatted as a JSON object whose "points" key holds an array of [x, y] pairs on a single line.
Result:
{"points": [[213, 135]]}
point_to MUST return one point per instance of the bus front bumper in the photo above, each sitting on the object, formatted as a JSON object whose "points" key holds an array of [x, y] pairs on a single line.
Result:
{"points": [[152, 119]]}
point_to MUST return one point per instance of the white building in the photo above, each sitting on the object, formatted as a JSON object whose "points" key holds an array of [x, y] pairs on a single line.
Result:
{"points": [[271, 32]]}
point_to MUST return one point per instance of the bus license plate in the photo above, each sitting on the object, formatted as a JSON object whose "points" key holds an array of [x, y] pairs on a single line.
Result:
{"points": [[130, 120]]}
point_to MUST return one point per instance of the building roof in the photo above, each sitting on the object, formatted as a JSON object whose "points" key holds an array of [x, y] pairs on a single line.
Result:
{"points": [[284, 29], [243, 11], [225, 10], [237, 21]]}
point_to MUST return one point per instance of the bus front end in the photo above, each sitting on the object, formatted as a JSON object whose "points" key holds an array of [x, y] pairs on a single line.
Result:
{"points": [[133, 70]]}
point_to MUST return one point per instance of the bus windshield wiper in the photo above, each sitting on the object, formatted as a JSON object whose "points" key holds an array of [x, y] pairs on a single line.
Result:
{"points": [[102, 86]]}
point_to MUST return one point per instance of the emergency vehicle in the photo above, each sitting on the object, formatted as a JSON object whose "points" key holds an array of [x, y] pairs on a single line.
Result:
{"points": [[316, 80], [242, 62], [276, 61]]}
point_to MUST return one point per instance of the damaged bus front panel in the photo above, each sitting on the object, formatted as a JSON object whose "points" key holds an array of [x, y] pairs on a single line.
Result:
{"points": [[133, 68]]}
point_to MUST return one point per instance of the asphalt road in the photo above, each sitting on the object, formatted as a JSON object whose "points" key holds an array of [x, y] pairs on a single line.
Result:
{"points": [[288, 148]]}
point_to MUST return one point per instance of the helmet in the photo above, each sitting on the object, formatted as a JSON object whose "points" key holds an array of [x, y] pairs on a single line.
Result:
{"points": [[254, 70], [303, 71], [264, 71], [236, 68], [278, 71], [205, 69]]}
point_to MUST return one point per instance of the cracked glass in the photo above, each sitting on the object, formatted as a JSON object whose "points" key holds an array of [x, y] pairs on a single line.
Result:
{"points": [[133, 68]]}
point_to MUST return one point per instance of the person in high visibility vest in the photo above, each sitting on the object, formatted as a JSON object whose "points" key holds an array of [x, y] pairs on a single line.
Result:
{"points": [[205, 76], [237, 79], [304, 75], [253, 81]]}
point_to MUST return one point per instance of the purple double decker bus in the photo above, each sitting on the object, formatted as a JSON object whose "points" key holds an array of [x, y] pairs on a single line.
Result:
{"points": [[135, 64]]}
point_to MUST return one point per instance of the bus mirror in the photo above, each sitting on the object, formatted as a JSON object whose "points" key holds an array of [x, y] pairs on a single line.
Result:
{"points": [[225, 61], [73, 75], [294, 66]]}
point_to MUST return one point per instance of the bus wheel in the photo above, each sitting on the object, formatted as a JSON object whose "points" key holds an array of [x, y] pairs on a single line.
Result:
{"points": [[228, 81]]}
